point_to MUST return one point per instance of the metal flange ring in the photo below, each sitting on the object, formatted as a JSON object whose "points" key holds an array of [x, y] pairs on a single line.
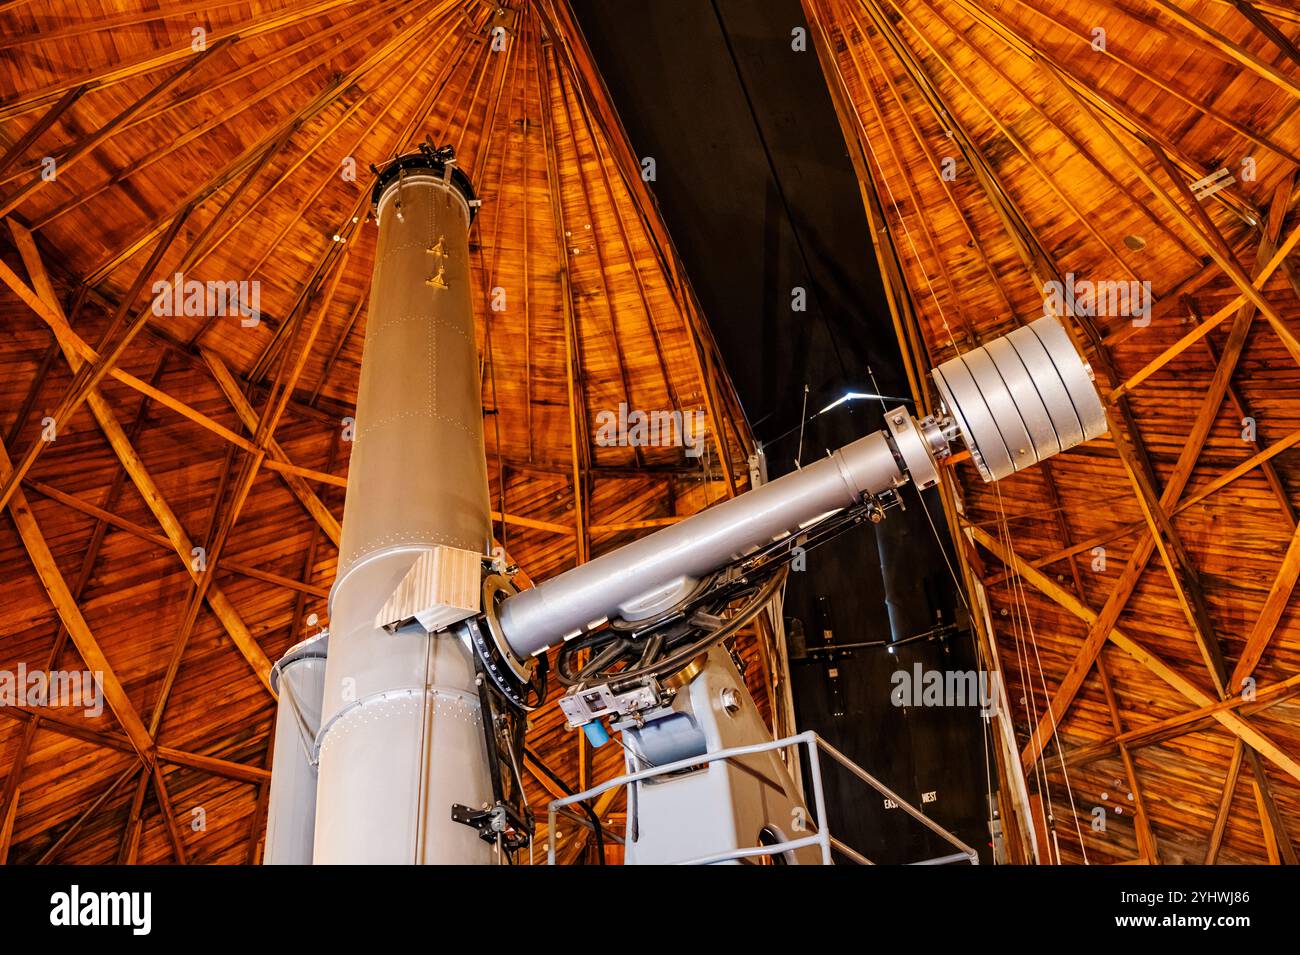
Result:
{"points": [[512, 676], [497, 588]]}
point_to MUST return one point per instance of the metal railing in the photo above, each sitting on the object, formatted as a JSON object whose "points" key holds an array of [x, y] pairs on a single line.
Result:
{"points": [[822, 837]]}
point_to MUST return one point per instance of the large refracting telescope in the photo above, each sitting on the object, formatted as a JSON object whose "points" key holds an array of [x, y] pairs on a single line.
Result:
{"points": [[405, 744]]}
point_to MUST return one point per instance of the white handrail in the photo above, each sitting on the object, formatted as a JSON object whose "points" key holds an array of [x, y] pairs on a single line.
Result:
{"points": [[821, 837]]}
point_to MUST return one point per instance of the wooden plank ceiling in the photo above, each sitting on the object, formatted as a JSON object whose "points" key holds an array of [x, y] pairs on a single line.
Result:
{"points": [[215, 140], [1136, 582]]}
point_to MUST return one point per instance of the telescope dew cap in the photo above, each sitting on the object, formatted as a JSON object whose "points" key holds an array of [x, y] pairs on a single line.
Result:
{"points": [[1021, 398]]}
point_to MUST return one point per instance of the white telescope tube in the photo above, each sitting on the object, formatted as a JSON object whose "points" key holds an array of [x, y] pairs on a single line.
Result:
{"points": [[637, 578], [402, 738], [299, 682]]}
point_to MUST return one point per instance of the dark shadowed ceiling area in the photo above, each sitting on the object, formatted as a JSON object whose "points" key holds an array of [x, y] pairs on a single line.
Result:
{"points": [[755, 185]]}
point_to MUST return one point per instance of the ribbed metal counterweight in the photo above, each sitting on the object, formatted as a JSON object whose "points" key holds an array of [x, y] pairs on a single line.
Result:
{"points": [[1021, 398]]}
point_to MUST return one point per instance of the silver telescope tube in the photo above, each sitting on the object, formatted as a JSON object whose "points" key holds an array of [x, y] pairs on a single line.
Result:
{"points": [[640, 578], [1014, 402], [401, 735]]}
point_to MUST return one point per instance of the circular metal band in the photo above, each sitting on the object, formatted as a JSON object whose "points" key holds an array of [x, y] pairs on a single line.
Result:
{"points": [[1021, 398], [1002, 407], [1051, 389], [1078, 382], [1020, 385], [913, 448], [512, 676], [423, 163], [979, 431]]}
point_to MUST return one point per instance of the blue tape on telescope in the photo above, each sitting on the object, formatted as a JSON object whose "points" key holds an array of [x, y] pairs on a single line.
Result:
{"points": [[597, 735]]}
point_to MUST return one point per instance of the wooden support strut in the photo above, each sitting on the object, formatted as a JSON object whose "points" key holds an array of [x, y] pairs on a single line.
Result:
{"points": [[73, 344], [131, 461], [1185, 687], [1163, 535]]}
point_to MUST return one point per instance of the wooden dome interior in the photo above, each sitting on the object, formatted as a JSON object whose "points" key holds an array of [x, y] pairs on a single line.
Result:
{"points": [[180, 530]]}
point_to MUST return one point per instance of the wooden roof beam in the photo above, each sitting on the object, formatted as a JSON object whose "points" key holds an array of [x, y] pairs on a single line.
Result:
{"points": [[1205, 327], [250, 163], [1234, 50], [1160, 534], [37, 129], [615, 338], [131, 170], [1275, 604], [1242, 410], [74, 153], [1082, 218], [9, 815], [168, 815], [1172, 727], [327, 370], [1134, 456], [913, 193], [258, 818], [704, 351], [12, 781], [357, 147], [363, 197], [158, 540], [1147, 847], [184, 631], [1277, 841], [1269, 29], [129, 846], [578, 846], [225, 520], [1217, 391], [313, 40], [246, 570], [1059, 126], [1280, 11], [1148, 850], [87, 375], [1163, 535], [134, 466], [1215, 245], [1185, 687], [573, 362], [107, 74], [72, 342], [1116, 110], [73, 729], [976, 244], [66, 606], [297, 485], [1197, 222], [104, 23], [1225, 805], [1218, 484], [75, 826], [508, 75], [1130, 118]]}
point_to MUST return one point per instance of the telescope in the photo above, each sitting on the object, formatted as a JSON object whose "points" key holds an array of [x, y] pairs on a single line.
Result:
{"points": [[399, 735]]}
